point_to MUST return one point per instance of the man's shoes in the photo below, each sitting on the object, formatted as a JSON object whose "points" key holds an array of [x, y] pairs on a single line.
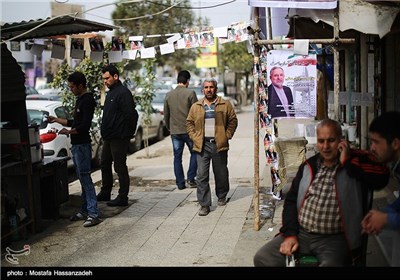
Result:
{"points": [[118, 201], [181, 188], [204, 210], [222, 201], [102, 196], [277, 195], [192, 184], [90, 221], [78, 217]]}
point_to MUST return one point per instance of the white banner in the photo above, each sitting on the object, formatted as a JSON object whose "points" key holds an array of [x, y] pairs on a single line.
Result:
{"points": [[300, 4]]}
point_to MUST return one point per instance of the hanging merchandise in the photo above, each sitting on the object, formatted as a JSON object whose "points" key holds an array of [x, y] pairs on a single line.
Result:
{"points": [[267, 125]]}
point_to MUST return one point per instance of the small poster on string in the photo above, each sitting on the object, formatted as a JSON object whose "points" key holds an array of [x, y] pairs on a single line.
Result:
{"points": [[167, 48], [114, 56], [58, 51], [96, 56], [148, 52]]}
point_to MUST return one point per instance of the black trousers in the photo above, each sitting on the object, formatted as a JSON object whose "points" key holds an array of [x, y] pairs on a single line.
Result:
{"points": [[115, 151]]}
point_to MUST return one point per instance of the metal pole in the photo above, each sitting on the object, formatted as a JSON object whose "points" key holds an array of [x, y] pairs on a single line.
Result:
{"points": [[68, 50], [311, 41], [336, 76], [256, 198]]}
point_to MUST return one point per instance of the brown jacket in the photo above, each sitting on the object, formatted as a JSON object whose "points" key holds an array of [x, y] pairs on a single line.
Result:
{"points": [[226, 123]]}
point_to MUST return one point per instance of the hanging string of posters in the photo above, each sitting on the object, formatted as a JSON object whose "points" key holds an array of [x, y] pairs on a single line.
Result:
{"points": [[135, 47], [266, 124]]}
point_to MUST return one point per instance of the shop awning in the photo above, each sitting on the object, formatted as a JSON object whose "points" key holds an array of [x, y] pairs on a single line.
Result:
{"points": [[311, 4], [43, 28], [368, 17]]}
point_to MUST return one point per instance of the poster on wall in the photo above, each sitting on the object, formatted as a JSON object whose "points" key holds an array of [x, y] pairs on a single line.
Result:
{"points": [[292, 88]]}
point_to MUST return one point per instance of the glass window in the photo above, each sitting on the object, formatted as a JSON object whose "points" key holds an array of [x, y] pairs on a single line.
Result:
{"points": [[62, 112], [15, 46], [38, 117]]}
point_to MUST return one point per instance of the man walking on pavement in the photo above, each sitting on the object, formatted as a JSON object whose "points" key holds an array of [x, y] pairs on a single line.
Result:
{"points": [[81, 147], [118, 126], [177, 104], [211, 123]]}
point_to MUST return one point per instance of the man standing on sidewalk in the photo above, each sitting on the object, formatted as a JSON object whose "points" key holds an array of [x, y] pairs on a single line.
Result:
{"points": [[211, 123], [177, 104], [81, 147], [118, 126], [384, 133]]}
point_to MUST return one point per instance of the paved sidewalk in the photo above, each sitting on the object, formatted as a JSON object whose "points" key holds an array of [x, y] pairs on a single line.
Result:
{"points": [[161, 226]]}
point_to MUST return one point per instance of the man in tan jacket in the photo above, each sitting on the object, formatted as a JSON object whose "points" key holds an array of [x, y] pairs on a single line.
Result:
{"points": [[211, 123]]}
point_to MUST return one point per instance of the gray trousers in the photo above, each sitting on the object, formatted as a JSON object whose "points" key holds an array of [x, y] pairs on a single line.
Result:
{"points": [[329, 249], [396, 249], [220, 170]]}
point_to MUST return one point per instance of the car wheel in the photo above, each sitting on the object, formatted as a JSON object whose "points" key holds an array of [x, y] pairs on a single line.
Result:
{"points": [[160, 132], [62, 153], [137, 144], [97, 158], [166, 131]]}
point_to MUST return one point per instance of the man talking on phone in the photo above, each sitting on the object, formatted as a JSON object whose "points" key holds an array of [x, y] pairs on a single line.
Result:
{"points": [[323, 209]]}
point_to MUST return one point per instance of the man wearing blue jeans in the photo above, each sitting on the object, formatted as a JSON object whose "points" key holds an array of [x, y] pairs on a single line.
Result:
{"points": [[177, 104], [81, 147]]}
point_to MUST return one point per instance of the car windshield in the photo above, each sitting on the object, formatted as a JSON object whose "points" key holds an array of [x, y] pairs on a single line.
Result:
{"points": [[165, 86], [30, 91], [197, 90], [159, 97], [37, 117]]}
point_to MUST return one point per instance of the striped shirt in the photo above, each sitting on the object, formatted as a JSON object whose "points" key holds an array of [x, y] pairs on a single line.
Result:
{"points": [[209, 126], [320, 212]]}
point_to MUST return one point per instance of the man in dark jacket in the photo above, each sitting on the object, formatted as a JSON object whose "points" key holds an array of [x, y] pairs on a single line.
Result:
{"points": [[324, 207], [81, 147], [118, 126]]}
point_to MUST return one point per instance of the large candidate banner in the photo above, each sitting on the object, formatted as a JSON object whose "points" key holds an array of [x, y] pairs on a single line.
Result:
{"points": [[292, 87], [300, 4]]}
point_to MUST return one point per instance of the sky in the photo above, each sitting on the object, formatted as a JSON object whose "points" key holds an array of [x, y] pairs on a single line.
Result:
{"points": [[19, 10]]}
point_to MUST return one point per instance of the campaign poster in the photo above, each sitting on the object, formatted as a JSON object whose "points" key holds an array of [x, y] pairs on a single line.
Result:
{"points": [[292, 87]]}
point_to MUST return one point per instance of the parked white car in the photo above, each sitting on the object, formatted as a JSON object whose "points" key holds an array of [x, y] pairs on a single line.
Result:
{"points": [[158, 100], [54, 144], [155, 129], [47, 89]]}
